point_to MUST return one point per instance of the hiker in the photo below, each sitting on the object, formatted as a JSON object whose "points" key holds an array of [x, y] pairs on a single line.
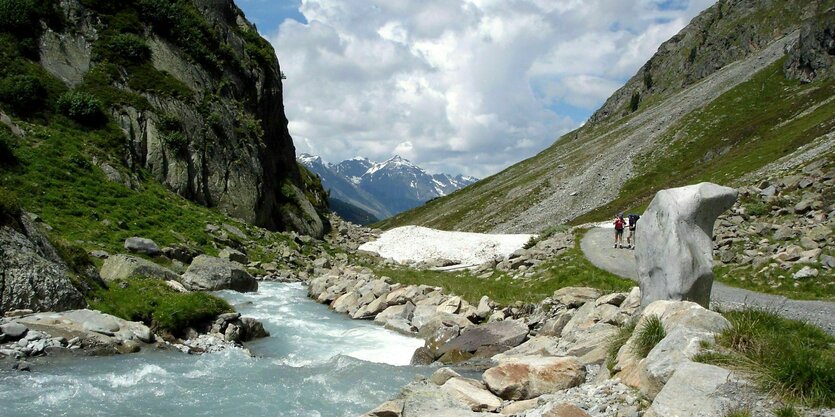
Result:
{"points": [[619, 224], [632, 223]]}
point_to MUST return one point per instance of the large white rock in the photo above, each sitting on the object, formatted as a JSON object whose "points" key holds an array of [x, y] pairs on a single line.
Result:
{"points": [[529, 377], [697, 390], [675, 247], [207, 273]]}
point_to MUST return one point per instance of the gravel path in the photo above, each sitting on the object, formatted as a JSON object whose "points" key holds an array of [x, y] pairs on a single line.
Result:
{"points": [[597, 246]]}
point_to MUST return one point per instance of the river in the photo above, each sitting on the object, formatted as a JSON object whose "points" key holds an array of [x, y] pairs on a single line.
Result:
{"points": [[316, 363]]}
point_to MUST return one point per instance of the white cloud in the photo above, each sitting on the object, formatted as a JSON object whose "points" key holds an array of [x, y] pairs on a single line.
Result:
{"points": [[461, 86]]}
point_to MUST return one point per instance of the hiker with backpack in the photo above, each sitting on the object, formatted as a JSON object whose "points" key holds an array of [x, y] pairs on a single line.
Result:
{"points": [[619, 225], [630, 238]]}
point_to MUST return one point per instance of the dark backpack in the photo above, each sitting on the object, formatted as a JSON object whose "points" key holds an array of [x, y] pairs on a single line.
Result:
{"points": [[633, 218]]}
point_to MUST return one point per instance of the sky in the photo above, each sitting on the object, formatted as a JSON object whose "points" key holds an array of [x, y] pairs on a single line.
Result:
{"points": [[455, 86]]}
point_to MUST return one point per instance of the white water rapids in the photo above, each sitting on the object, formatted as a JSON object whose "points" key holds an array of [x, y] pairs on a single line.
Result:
{"points": [[316, 363]]}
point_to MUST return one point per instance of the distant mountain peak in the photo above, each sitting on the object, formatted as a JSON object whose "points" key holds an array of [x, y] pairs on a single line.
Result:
{"points": [[382, 188]]}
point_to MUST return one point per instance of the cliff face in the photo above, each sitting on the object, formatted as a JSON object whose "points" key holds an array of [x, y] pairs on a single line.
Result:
{"points": [[198, 95]]}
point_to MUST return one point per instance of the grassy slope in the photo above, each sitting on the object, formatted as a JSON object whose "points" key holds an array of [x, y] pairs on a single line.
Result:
{"points": [[746, 128]]}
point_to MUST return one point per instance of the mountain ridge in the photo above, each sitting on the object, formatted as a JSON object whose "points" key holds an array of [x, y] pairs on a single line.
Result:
{"points": [[381, 189]]}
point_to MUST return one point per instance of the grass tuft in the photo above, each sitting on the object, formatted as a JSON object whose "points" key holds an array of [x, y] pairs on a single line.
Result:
{"points": [[786, 411], [791, 359], [152, 302], [617, 341], [650, 332], [739, 412]]}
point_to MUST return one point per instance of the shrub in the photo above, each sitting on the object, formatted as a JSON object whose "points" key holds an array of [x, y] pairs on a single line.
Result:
{"points": [[7, 145], [124, 48], [635, 101], [24, 93], [82, 107], [648, 335], [9, 206], [152, 302], [76, 258], [172, 134], [18, 16], [757, 208]]}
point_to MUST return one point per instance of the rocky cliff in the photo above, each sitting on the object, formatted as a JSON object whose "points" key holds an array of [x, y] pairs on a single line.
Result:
{"points": [[198, 95]]}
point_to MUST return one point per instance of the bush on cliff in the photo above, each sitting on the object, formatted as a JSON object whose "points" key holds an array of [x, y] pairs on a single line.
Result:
{"points": [[24, 94], [152, 302], [82, 107]]}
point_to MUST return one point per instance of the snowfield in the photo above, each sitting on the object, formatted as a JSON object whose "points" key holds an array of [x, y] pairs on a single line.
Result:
{"points": [[414, 244]]}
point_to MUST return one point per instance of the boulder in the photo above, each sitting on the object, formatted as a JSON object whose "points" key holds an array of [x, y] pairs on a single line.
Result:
{"points": [[346, 303], [32, 276], [127, 266], [387, 409], [442, 375], [142, 245], [679, 346], [675, 258], [519, 407], [13, 331], [696, 390], [233, 255], [574, 297], [529, 377], [472, 393], [422, 356], [501, 334], [207, 273], [427, 399]]}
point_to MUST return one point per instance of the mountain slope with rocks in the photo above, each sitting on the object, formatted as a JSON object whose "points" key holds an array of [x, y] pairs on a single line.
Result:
{"points": [[184, 93], [745, 83], [381, 189]]}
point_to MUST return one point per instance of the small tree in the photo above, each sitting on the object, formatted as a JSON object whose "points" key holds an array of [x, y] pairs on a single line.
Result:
{"points": [[23, 93], [82, 107], [635, 101]]}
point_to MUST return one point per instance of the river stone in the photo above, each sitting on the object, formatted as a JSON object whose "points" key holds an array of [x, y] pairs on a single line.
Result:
{"points": [[679, 346], [127, 266], [675, 257], [233, 255], [443, 375], [101, 324], [427, 399], [529, 377], [566, 410], [387, 409], [472, 393], [694, 390], [346, 302], [574, 297], [501, 334], [422, 356], [519, 407], [207, 273], [13, 330], [142, 245]]}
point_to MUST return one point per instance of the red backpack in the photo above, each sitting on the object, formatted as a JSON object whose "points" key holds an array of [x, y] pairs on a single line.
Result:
{"points": [[619, 224]]}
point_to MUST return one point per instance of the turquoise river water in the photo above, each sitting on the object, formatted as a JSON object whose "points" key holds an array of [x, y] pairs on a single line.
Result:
{"points": [[317, 363]]}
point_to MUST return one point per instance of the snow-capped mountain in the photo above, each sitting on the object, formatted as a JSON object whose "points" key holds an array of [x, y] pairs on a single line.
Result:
{"points": [[382, 189]]}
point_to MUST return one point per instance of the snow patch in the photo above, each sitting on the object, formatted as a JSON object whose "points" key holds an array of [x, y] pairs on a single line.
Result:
{"points": [[414, 244]]}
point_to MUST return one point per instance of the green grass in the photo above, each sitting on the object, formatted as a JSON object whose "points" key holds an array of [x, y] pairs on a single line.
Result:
{"points": [[788, 358], [787, 411], [742, 130], [152, 302], [571, 269], [647, 335], [819, 288], [617, 341], [56, 179]]}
